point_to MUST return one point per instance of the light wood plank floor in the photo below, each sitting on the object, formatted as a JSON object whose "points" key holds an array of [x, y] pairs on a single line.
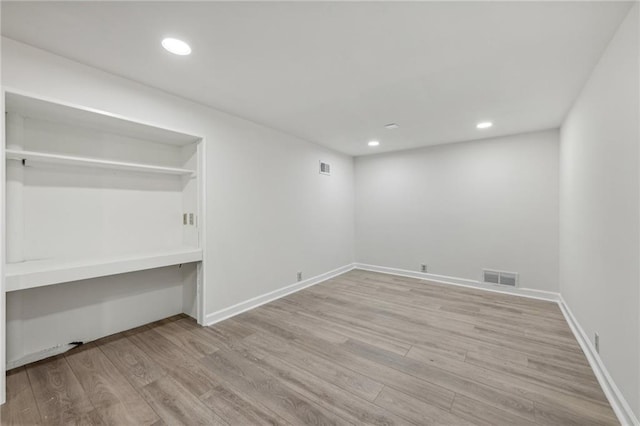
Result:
{"points": [[362, 348]]}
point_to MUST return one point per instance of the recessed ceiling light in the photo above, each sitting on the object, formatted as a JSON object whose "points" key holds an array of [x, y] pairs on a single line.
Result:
{"points": [[484, 125], [374, 143], [391, 126], [175, 46]]}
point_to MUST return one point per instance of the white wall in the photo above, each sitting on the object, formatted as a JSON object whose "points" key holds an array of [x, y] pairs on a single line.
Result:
{"points": [[599, 213], [463, 207], [69, 212], [269, 212], [3, 233]]}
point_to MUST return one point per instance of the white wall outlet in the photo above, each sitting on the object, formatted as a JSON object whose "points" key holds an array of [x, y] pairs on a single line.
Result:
{"points": [[596, 342], [299, 276], [423, 267], [191, 220]]}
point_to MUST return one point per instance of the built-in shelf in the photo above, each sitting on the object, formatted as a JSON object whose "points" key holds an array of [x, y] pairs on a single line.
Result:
{"points": [[38, 273], [125, 230], [47, 158], [90, 118]]}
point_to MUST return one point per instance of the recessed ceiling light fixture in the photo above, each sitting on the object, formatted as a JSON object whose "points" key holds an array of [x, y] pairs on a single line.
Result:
{"points": [[373, 143], [484, 125], [175, 46], [391, 126]]}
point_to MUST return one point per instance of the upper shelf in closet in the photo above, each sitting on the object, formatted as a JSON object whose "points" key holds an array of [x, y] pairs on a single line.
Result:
{"points": [[43, 157], [92, 119]]}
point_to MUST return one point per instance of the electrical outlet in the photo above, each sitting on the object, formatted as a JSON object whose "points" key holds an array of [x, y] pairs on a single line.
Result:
{"points": [[596, 342], [190, 218], [423, 268], [299, 276]]}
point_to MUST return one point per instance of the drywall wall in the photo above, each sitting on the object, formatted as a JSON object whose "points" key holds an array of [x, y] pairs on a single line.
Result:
{"points": [[73, 212], [3, 232], [463, 207], [270, 213], [599, 213]]}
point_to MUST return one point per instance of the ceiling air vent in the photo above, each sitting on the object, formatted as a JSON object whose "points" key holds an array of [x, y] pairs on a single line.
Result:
{"points": [[500, 277], [325, 168]]}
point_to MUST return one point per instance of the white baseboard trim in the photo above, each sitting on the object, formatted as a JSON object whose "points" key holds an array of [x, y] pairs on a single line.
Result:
{"points": [[611, 391], [463, 282], [241, 307]]}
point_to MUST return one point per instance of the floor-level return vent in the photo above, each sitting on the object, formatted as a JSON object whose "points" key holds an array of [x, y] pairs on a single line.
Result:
{"points": [[500, 277]]}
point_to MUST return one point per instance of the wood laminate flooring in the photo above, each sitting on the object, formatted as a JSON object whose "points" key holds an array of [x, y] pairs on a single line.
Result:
{"points": [[361, 348]]}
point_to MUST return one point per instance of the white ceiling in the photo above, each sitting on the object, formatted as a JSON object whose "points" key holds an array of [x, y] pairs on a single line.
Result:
{"points": [[336, 73]]}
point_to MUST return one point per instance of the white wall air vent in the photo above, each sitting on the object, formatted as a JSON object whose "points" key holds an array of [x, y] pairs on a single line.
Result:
{"points": [[491, 277], [500, 277], [325, 168]]}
